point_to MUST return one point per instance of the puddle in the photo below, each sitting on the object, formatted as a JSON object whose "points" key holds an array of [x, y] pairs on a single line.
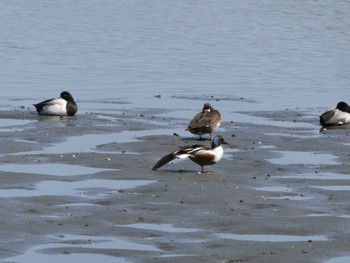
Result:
{"points": [[161, 227], [87, 188], [267, 147], [229, 153], [316, 176], [26, 141], [333, 187], [345, 259], [294, 135], [77, 205], [292, 198], [283, 189], [272, 238], [328, 215], [51, 169], [33, 256], [11, 130], [13, 122], [96, 244], [292, 157], [89, 142], [274, 189], [240, 117]]}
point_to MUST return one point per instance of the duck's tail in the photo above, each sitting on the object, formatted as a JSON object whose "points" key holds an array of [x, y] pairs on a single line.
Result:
{"points": [[168, 158], [326, 117]]}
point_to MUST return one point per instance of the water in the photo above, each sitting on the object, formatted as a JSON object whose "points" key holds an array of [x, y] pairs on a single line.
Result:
{"points": [[51, 169], [272, 238], [344, 259], [96, 245], [89, 142], [312, 158], [161, 227], [278, 55], [316, 176], [93, 188], [114, 55]]}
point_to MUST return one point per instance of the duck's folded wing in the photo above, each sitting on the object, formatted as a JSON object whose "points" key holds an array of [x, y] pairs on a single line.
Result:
{"points": [[200, 120], [334, 117], [43, 103]]}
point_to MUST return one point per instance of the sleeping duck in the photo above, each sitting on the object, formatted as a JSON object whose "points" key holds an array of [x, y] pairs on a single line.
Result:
{"points": [[336, 116], [61, 106], [205, 121]]}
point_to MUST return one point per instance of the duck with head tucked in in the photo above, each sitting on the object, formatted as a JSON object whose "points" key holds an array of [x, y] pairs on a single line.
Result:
{"points": [[336, 116], [197, 153], [205, 122], [61, 106]]}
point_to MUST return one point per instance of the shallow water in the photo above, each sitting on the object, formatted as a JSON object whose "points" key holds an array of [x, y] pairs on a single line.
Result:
{"points": [[344, 259], [275, 189], [97, 245], [161, 227], [334, 187], [13, 122], [51, 169], [272, 238], [311, 158], [34, 256], [315, 176], [278, 55], [90, 142], [94, 188]]}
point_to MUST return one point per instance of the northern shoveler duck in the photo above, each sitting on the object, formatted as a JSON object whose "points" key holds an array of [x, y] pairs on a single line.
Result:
{"points": [[205, 121], [197, 153], [61, 106], [336, 116]]}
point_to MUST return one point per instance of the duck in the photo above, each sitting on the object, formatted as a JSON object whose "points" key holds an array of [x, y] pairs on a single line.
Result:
{"points": [[336, 116], [61, 106], [199, 154], [205, 122]]}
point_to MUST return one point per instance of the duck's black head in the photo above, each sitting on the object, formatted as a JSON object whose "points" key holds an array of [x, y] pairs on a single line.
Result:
{"points": [[67, 96]]}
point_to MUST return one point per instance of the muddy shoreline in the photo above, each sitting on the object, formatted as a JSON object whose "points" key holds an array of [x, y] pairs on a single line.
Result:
{"points": [[279, 194]]}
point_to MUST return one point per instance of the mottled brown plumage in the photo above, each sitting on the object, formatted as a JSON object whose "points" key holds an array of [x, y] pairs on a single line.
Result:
{"points": [[205, 122]]}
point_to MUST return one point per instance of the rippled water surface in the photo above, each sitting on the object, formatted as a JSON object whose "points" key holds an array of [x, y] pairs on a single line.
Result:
{"points": [[276, 54]]}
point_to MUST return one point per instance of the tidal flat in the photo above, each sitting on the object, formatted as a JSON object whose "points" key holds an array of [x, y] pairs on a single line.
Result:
{"points": [[82, 188]]}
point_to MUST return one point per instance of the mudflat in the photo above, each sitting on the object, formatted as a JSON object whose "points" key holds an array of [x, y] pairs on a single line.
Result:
{"points": [[82, 188]]}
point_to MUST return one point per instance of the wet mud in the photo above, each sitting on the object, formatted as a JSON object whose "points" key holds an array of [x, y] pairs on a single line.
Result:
{"points": [[81, 188]]}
